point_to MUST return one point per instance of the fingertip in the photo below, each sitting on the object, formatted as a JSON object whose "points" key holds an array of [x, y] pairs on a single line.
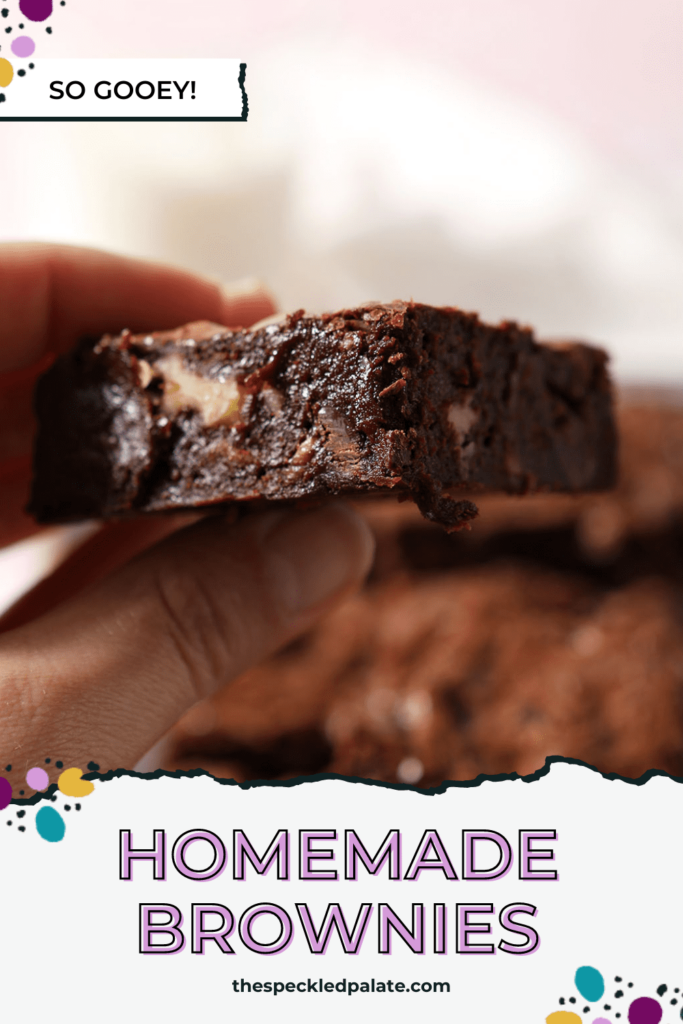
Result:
{"points": [[245, 301]]}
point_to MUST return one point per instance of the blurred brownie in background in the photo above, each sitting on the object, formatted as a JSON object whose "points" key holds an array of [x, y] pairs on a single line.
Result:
{"points": [[554, 627]]}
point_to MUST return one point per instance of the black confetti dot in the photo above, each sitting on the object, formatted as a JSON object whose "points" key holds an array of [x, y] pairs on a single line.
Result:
{"points": [[21, 814], [677, 990], [22, 828], [561, 1000], [630, 984], [21, 72], [8, 29], [607, 1006], [21, 26], [59, 764], [21, 792], [571, 999], [78, 807], [67, 807], [31, 66], [673, 1002], [54, 799], [5, 12], [8, 768], [617, 979], [661, 990], [9, 822], [48, 30], [47, 760], [618, 994], [2, 97], [93, 767], [586, 1009]]}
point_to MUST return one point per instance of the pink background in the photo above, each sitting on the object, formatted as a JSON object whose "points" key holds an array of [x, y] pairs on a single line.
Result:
{"points": [[612, 68]]}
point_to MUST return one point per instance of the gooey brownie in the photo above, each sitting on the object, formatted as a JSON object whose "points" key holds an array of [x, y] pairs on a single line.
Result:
{"points": [[402, 397]]}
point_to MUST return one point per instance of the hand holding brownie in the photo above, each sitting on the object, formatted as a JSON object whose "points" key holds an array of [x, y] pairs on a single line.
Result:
{"points": [[102, 673]]}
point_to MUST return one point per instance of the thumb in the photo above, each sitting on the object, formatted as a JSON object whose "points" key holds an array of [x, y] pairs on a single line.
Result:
{"points": [[103, 676]]}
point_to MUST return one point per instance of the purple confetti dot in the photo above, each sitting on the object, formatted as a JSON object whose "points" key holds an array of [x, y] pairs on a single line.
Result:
{"points": [[37, 778], [644, 1011], [36, 10], [5, 793], [23, 46]]}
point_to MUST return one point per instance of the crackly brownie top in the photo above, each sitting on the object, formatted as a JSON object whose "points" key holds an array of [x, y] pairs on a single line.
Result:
{"points": [[210, 368]]}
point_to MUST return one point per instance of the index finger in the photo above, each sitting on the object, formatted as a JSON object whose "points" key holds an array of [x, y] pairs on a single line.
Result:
{"points": [[50, 295]]}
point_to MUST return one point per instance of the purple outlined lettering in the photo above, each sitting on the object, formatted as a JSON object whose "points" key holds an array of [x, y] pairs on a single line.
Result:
{"points": [[193, 836], [171, 927], [128, 853], [388, 921], [431, 840], [202, 934], [527, 854], [242, 850], [464, 928], [389, 851], [351, 941], [507, 919]]}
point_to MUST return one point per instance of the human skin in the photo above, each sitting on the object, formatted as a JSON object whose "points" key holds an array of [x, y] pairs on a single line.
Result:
{"points": [[151, 615]]}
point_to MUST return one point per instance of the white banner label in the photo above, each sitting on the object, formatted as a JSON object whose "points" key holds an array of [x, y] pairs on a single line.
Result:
{"points": [[91, 89]]}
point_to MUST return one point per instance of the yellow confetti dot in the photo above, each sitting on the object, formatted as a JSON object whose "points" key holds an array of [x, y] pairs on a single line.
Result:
{"points": [[6, 72], [563, 1017], [71, 784]]}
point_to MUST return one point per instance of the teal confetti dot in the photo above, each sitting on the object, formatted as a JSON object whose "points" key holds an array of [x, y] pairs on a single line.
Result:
{"points": [[590, 983], [50, 824]]}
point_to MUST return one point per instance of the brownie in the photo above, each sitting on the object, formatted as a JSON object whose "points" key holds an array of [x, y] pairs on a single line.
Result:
{"points": [[449, 676], [635, 529], [401, 398], [485, 651]]}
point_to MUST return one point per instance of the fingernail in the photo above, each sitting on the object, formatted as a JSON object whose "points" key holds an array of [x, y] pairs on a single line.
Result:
{"points": [[246, 301], [311, 556], [267, 321], [243, 287]]}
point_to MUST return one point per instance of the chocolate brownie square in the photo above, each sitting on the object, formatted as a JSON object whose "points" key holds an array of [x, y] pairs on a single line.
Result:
{"points": [[401, 398]]}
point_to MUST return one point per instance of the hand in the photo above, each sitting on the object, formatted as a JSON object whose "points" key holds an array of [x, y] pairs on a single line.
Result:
{"points": [[145, 619]]}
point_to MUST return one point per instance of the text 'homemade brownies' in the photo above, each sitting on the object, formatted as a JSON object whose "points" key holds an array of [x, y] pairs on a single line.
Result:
{"points": [[400, 397]]}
